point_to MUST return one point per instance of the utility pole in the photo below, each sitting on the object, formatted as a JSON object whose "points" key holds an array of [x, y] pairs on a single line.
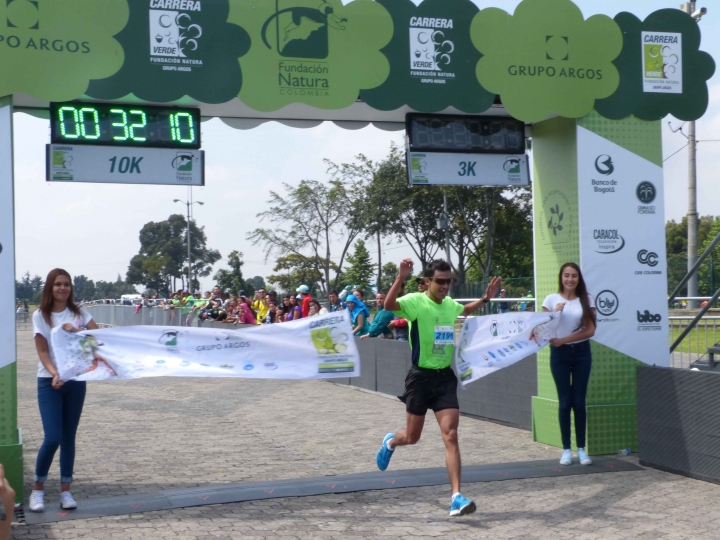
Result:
{"points": [[379, 274], [692, 216], [188, 204], [443, 224]]}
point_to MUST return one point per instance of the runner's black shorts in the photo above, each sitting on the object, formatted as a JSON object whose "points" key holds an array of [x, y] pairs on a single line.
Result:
{"points": [[434, 389]]}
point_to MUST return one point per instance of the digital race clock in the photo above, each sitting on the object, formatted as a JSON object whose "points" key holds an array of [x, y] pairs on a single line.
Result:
{"points": [[465, 134], [124, 125]]}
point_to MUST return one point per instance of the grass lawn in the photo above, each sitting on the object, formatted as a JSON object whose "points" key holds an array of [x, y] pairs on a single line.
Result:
{"points": [[698, 340]]}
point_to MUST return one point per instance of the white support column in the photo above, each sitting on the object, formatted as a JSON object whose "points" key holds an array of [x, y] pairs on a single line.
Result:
{"points": [[10, 440], [7, 236]]}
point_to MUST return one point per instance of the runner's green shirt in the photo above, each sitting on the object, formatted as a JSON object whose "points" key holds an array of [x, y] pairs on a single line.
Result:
{"points": [[432, 330]]}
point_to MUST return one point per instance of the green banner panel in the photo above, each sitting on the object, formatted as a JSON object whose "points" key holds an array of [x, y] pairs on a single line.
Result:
{"points": [[432, 59], [668, 43], [612, 391], [177, 49], [8, 405], [610, 427], [11, 457], [546, 58], [321, 53], [51, 50]]}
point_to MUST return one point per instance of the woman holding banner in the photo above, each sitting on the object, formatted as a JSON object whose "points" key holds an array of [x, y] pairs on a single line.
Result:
{"points": [[60, 402], [570, 357]]}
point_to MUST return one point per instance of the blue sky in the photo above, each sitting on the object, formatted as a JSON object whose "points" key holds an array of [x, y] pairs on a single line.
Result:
{"points": [[92, 229]]}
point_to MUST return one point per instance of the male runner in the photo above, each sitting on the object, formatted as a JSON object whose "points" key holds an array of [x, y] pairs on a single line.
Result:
{"points": [[431, 382]]}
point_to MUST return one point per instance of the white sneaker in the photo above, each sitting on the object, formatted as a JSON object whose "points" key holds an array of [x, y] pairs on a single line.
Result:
{"points": [[37, 501], [583, 457], [566, 458], [66, 501]]}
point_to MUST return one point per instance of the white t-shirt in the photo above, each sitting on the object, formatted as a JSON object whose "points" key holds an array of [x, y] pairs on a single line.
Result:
{"points": [[40, 326], [571, 314]]}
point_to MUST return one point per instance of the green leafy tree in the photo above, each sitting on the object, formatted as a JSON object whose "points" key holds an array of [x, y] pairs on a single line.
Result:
{"points": [[163, 255], [360, 267], [676, 244], [294, 270], [255, 283], [393, 208], [709, 273], [83, 287], [389, 273], [109, 289], [310, 220], [489, 228], [232, 280], [28, 288]]}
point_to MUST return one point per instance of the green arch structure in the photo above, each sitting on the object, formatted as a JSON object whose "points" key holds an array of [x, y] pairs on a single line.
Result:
{"points": [[366, 61]]}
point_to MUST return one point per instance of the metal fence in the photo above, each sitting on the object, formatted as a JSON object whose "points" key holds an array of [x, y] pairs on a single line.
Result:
{"points": [[23, 321], [694, 347], [108, 315]]}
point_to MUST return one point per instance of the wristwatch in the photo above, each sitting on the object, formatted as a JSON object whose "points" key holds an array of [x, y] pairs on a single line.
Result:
{"points": [[485, 299]]}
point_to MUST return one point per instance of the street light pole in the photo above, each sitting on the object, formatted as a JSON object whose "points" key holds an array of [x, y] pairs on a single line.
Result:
{"points": [[188, 204], [692, 216]]}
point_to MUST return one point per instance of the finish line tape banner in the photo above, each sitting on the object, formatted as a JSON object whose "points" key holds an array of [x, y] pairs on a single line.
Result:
{"points": [[497, 341], [319, 347]]}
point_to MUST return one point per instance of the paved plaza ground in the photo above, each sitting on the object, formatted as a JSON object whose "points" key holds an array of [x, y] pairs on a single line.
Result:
{"points": [[154, 434]]}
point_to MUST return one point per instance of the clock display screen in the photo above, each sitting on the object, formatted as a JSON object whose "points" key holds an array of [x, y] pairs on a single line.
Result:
{"points": [[466, 134], [124, 125]]}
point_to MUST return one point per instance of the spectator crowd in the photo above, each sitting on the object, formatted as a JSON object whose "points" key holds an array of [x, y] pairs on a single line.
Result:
{"points": [[265, 307]]}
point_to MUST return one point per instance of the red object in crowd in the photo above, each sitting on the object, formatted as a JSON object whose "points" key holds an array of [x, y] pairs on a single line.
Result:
{"points": [[306, 305]]}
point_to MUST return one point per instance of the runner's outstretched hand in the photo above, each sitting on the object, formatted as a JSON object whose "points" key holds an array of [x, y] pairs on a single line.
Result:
{"points": [[406, 268], [493, 287]]}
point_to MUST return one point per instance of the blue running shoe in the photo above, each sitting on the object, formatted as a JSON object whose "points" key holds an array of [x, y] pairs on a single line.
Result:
{"points": [[384, 454], [461, 506]]}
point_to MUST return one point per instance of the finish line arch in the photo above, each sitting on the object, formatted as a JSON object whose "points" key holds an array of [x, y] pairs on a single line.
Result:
{"points": [[594, 91]]}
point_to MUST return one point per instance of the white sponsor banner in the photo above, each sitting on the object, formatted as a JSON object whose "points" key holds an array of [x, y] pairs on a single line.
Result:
{"points": [[662, 62], [498, 341], [622, 247], [456, 169], [125, 165], [319, 347]]}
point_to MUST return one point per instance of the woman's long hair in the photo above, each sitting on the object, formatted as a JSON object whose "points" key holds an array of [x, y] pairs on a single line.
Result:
{"points": [[588, 315], [46, 300]]}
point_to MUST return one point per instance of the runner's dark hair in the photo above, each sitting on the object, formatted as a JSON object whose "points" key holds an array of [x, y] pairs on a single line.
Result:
{"points": [[438, 265], [333, 291], [47, 300], [588, 315]]}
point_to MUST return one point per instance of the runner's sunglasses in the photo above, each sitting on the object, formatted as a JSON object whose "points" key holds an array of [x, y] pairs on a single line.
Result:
{"points": [[442, 281]]}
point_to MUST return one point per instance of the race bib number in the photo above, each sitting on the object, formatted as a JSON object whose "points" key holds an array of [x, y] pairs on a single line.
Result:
{"points": [[444, 335]]}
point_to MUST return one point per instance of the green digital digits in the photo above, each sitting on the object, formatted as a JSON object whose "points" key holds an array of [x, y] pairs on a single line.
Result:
{"points": [[95, 123], [176, 128], [123, 125], [63, 126], [79, 120], [142, 125]]}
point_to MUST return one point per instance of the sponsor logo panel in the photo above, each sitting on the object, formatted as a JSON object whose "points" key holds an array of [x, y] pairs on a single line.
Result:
{"points": [[662, 60], [648, 321], [431, 49]]}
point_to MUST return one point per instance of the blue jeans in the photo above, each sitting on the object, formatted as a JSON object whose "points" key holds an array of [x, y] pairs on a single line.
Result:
{"points": [[570, 366], [60, 411]]}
